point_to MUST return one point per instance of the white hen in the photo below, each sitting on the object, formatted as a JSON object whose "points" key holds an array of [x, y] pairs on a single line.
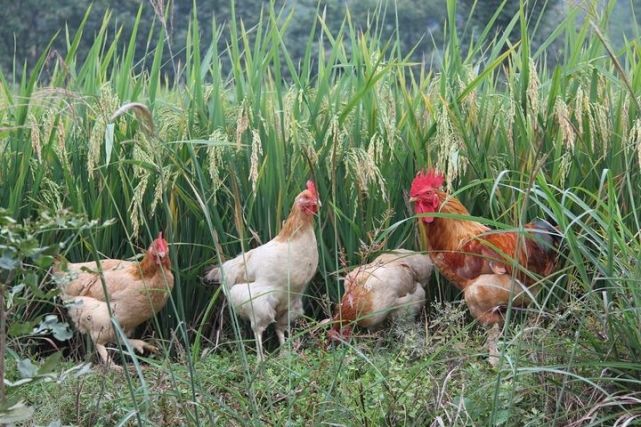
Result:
{"points": [[266, 284]]}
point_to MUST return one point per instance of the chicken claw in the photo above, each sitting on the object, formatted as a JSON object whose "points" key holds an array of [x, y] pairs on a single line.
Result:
{"points": [[107, 361], [140, 346]]}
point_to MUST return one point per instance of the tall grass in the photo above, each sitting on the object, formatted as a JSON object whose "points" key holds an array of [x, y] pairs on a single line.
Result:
{"points": [[517, 136]]}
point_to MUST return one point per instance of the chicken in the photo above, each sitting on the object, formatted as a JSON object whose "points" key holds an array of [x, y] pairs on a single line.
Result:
{"points": [[490, 267], [391, 286], [266, 284], [135, 292]]}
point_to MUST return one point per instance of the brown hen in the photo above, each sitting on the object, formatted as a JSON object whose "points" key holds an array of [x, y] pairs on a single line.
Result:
{"points": [[135, 292]]}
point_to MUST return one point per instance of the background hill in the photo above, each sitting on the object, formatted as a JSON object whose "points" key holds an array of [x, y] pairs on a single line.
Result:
{"points": [[28, 26]]}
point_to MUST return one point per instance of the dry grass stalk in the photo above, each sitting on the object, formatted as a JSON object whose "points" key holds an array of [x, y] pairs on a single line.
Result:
{"points": [[142, 112], [449, 144], [533, 93], [568, 136], [106, 103], [256, 153], [242, 124], [215, 154]]}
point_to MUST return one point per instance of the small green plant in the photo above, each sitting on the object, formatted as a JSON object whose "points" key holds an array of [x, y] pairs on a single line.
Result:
{"points": [[23, 258]]}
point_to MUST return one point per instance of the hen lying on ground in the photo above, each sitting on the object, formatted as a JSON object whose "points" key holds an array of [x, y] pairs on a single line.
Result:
{"points": [[489, 266], [266, 284], [135, 291], [391, 286]]}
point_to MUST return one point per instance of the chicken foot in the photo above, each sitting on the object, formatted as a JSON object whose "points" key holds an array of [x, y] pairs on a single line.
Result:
{"points": [[140, 346], [282, 324], [106, 359], [281, 327]]}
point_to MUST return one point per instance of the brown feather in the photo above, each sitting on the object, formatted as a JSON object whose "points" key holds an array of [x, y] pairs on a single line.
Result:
{"points": [[296, 222], [480, 261], [356, 302], [147, 267], [451, 242], [463, 250]]}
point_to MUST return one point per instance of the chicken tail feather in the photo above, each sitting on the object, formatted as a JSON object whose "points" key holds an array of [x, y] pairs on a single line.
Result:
{"points": [[548, 236]]}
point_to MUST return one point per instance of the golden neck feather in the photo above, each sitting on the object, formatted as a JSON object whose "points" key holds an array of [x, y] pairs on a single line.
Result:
{"points": [[296, 222], [448, 234]]}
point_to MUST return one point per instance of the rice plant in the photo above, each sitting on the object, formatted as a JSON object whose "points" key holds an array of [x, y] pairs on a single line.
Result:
{"points": [[215, 158]]}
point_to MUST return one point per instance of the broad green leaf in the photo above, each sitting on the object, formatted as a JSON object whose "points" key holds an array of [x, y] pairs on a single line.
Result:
{"points": [[8, 260], [27, 369], [51, 324], [13, 292], [16, 414], [21, 328], [51, 363]]}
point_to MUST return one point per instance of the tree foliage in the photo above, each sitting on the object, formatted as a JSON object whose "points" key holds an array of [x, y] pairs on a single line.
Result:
{"points": [[543, 16], [28, 26]]}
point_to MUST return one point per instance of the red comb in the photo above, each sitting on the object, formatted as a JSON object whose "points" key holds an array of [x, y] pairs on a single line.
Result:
{"points": [[311, 187], [430, 178], [160, 242]]}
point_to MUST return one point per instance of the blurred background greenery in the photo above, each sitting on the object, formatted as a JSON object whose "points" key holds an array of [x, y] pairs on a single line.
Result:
{"points": [[422, 23]]}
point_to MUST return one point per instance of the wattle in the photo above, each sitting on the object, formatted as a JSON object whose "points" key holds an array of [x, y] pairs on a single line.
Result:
{"points": [[310, 210], [423, 208]]}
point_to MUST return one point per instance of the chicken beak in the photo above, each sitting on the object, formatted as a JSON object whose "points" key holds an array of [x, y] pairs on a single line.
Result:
{"points": [[413, 199]]}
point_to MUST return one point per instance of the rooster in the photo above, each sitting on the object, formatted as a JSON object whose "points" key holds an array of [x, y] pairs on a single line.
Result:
{"points": [[390, 286], [266, 284], [490, 267], [135, 292]]}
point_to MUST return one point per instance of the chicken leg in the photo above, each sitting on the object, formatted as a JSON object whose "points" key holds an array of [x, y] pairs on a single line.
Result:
{"points": [[106, 359], [258, 336], [282, 324], [485, 296]]}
